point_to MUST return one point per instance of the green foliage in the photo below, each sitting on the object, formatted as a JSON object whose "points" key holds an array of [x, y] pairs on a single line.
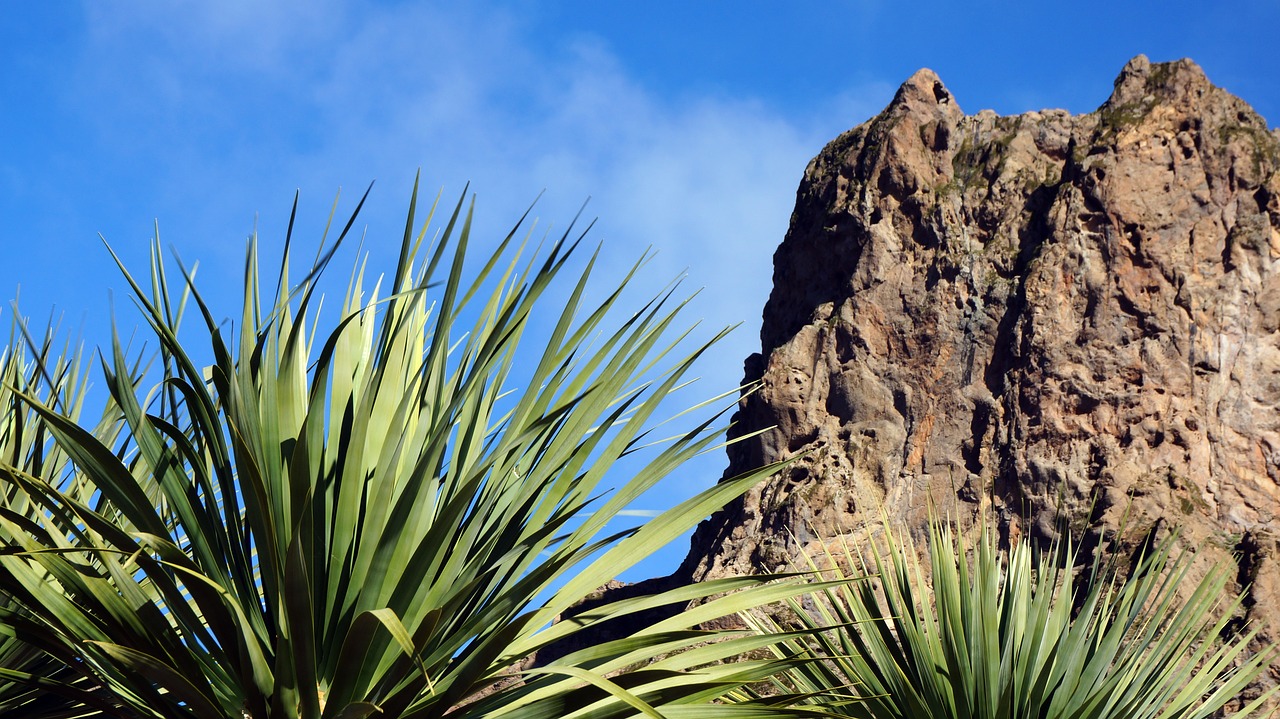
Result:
{"points": [[1002, 637], [381, 520], [31, 366], [386, 519]]}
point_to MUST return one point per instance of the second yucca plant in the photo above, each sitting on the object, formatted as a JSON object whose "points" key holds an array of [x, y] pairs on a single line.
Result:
{"points": [[987, 634]]}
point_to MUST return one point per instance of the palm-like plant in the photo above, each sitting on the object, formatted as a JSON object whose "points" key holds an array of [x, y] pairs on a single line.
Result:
{"points": [[32, 366], [362, 523], [998, 635]]}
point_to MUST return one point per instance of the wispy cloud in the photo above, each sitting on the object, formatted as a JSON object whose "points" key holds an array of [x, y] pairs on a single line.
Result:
{"points": [[639, 513], [239, 103], [201, 114]]}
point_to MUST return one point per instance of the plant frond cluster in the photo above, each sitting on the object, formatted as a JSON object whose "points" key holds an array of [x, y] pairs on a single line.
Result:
{"points": [[387, 517], [978, 633]]}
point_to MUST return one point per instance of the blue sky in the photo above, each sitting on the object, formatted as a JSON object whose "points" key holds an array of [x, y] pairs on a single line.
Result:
{"points": [[688, 124]]}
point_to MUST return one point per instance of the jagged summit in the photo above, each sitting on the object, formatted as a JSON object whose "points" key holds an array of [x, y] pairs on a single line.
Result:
{"points": [[924, 89], [1171, 80], [1072, 320]]}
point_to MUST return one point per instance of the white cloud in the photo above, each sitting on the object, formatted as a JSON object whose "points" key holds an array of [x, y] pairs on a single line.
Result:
{"points": [[203, 114], [650, 513], [235, 34], [260, 99]]}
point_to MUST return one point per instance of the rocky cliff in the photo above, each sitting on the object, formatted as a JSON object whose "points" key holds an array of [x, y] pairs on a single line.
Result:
{"points": [[1070, 320]]}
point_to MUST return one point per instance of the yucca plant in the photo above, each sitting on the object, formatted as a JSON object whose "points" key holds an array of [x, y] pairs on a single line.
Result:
{"points": [[384, 519], [33, 662], [32, 365], [1015, 635]]}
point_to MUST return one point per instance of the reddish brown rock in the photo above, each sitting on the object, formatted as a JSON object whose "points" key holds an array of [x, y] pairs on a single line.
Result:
{"points": [[1071, 320]]}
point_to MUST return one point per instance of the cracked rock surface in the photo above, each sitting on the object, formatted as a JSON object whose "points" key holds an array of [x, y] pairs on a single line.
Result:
{"points": [[1069, 321]]}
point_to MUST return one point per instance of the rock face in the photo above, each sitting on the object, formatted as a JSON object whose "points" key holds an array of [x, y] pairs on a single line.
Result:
{"points": [[1072, 321]]}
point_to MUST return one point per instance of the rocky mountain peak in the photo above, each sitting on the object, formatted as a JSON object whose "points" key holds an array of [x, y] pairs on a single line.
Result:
{"points": [[924, 96], [1176, 83], [1071, 322]]}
